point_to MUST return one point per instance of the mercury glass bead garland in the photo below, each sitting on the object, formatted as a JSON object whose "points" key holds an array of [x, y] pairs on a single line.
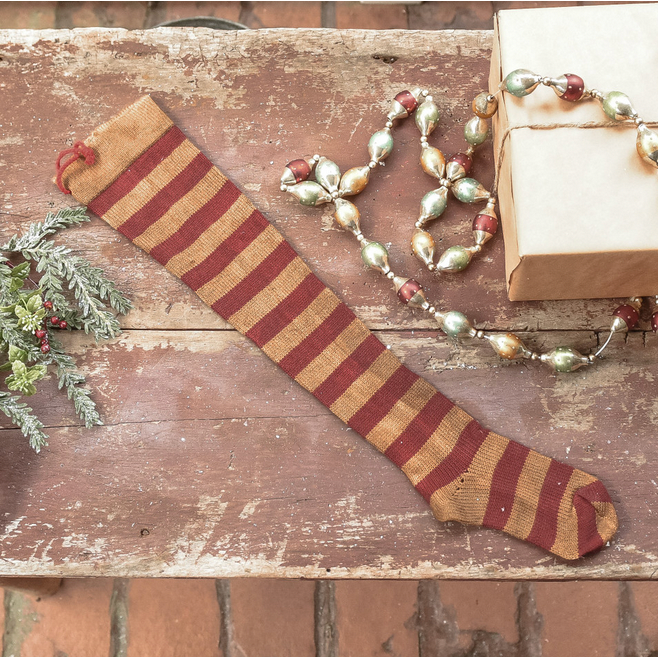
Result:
{"points": [[330, 186]]}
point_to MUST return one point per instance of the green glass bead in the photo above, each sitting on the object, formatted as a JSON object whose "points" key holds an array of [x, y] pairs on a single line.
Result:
{"points": [[647, 144], [476, 131], [327, 174], [468, 190], [375, 257], [520, 83], [309, 193], [455, 324], [433, 204], [380, 145], [427, 117], [618, 106], [565, 359], [454, 259]]}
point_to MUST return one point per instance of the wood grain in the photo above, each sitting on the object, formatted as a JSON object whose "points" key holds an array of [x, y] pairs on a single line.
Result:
{"points": [[200, 472]]}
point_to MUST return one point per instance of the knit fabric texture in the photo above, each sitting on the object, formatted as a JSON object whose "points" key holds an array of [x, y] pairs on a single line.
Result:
{"points": [[154, 186]]}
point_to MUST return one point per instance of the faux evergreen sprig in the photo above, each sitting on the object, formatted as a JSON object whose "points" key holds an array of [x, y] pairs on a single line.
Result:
{"points": [[72, 294]]}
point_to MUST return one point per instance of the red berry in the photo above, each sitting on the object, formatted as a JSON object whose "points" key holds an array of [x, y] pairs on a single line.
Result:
{"points": [[45, 348], [63, 324], [48, 304], [40, 333], [54, 319]]}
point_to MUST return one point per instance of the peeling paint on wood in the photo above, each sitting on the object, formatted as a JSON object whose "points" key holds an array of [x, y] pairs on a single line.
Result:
{"points": [[198, 472]]}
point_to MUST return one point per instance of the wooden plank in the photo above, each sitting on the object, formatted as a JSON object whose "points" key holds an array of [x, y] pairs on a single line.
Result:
{"points": [[198, 472]]}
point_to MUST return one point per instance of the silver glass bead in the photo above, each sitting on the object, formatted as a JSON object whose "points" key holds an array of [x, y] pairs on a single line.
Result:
{"points": [[618, 106], [380, 145], [354, 180], [454, 259], [508, 346], [454, 170], [347, 215], [565, 359], [647, 144], [375, 257], [327, 174], [310, 193], [427, 117], [520, 83], [468, 190], [423, 246], [476, 130], [433, 204], [397, 111], [455, 324], [432, 161]]}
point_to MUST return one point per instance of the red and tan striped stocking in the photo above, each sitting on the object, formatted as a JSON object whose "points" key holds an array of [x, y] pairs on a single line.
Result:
{"points": [[150, 183]]}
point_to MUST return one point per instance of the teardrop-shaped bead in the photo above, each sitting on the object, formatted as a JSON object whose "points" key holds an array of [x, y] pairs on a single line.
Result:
{"points": [[568, 87], [454, 259], [310, 193], [476, 130], [347, 215], [410, 292], [432, 161], [485, 225], [520, 83], [354, 181], [433, 204], [468, 190], [375, 257], [565, 359], [647, 144], [626, 318], [458, 166], [327, 174], [508, 346], [407, 101], [485, 105], [455, 324], [618, 106], [423, 246], [297, 171], [380, 145], [427, 117]]}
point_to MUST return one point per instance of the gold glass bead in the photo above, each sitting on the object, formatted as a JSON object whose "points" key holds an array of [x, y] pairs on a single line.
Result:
{"points": [[432, 161], [508, 346], [454, 259], [347, 215], [565, 359], [422, 245], [618, 106], [647, 144], [354, 181], [485, 105]]}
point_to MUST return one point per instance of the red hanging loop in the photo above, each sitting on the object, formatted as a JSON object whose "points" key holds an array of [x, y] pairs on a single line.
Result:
{"points": [[79, 149]]}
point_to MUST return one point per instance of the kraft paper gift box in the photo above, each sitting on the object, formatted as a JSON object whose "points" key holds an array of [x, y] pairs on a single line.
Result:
{"points": [[578, 206]]}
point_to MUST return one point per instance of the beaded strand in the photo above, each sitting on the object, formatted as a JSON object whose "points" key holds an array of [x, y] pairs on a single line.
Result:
{"points": [[332, 187]]}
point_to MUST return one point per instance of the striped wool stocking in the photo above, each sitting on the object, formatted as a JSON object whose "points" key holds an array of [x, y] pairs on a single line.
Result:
{"points": [[142, 176]]}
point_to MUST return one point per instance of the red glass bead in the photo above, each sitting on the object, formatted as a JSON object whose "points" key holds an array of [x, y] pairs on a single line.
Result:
{"points": [[575, 88], [628, 314], [300, 170], [45, 348], [407, 100], [40, 333], [48, 304], [407, 290], [54, 319], [464, 160], [485, 223], [63, 324], [654, 322]]}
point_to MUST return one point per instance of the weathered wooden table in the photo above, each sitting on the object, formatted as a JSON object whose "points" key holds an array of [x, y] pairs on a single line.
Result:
{"points": [[212, 462]]}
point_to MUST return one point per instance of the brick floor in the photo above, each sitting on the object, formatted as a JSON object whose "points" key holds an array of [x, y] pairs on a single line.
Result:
{"points": [[269, 617]]}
